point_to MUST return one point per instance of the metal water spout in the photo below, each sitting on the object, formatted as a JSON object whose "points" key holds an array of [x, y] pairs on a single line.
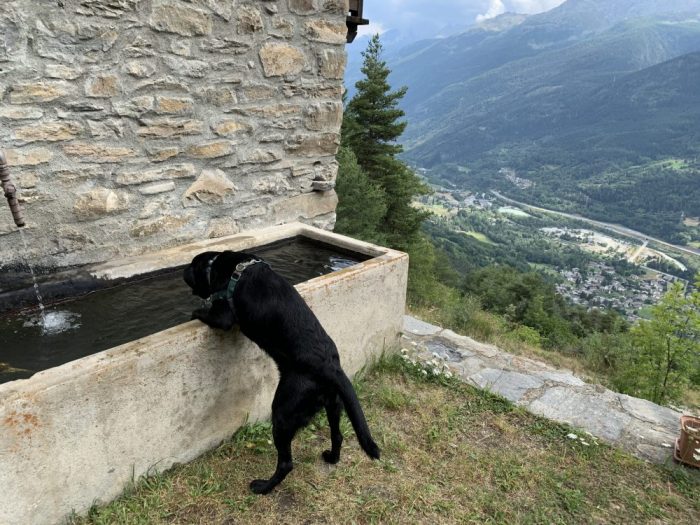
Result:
{"points": [[10, 191]]}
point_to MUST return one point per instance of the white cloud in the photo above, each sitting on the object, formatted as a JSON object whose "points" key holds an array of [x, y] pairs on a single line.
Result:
{"points": [[427, 18], [496, 7], [371, 29], [533, 6]]}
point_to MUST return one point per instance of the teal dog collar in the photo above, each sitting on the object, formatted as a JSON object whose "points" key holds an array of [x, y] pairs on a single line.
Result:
{"points": [[227, 294]]}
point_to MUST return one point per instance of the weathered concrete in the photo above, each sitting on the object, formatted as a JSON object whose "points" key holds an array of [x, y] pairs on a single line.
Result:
{"points": [[641, 427], [77, 434], [100, 98]]}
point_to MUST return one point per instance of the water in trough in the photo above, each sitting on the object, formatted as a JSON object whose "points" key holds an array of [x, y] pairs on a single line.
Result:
{"points": [[34, 340]]}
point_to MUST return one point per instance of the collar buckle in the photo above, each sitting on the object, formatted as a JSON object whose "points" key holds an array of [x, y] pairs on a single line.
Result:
{"points": [[240, 267]]}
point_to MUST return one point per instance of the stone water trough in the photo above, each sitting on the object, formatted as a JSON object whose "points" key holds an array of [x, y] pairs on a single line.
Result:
{"points": [[77, 434]]}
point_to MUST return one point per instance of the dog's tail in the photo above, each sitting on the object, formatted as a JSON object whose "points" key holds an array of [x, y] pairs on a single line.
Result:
{"points": [[355, 414]]}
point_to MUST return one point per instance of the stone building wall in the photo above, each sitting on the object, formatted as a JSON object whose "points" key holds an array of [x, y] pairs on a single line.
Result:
{"points": [[132, 125]]}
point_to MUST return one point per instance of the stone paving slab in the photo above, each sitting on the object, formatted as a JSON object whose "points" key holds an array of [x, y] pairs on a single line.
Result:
{"points": [[511, 385], [638, 426], [417, 327]]}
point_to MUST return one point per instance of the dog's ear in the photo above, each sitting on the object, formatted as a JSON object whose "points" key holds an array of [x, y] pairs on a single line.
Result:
{"points": [[197, 274], [188, 276]]}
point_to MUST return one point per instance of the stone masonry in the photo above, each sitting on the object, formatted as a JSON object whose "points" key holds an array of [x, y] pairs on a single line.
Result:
{"points": [[132, 125]]}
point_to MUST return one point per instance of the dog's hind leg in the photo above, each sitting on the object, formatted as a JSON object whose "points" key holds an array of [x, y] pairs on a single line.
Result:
{"points": [[296, 401], [282, 436], [334, 409]]}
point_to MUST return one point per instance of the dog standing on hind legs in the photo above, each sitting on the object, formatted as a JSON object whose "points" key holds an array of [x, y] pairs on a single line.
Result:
{"points": [[244, 290]]}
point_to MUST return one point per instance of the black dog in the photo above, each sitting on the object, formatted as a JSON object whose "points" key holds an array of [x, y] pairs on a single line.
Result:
{"points": [[270, 312]]}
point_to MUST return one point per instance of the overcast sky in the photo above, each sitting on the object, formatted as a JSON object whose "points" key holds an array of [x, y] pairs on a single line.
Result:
{"points": [[428, 16]]}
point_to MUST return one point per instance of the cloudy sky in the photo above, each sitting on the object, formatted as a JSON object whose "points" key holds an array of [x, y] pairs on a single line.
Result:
{"points": [[426, 17]]}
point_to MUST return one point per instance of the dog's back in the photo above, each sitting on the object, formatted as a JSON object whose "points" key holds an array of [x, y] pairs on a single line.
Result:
{"points": [[271, 313]]}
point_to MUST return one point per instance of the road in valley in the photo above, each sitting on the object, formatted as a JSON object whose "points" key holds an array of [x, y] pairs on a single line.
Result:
{"points": [[622, 230], [638, 252]]}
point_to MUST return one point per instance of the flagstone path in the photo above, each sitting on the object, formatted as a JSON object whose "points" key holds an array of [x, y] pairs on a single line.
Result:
{"points": [[638, 426]]}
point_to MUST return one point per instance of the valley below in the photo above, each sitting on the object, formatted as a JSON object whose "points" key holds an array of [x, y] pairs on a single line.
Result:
{"points": [[593, 264], [617, 228]]}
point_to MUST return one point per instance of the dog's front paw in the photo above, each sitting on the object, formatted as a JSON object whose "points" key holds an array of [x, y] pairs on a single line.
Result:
{"points": [[329, 457], [199, 313], [260, 486]]}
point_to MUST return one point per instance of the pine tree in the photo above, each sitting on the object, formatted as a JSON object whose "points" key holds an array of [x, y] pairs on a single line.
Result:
{"points": [[371, 127], [361, 202]]}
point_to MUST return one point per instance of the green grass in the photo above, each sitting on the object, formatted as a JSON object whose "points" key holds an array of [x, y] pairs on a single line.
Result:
{"points": [[450, 454], [436, 209], [645, 312], [547, 269], [478, 236], [510, 210], [489, 327]]}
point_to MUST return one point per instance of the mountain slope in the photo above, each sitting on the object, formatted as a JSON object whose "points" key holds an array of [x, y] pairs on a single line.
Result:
{"points": [[594, 103], [658, 107], [399, 46], [628, 152], [444, 62], [535, 98]]}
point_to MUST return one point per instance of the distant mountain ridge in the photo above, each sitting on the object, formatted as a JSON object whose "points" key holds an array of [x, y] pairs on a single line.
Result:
{"points": [[598, 15], [478, 49], [560, 97], [535, 96]]}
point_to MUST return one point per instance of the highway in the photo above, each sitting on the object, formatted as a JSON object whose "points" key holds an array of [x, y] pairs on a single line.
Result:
{"points": [[622, 230]]}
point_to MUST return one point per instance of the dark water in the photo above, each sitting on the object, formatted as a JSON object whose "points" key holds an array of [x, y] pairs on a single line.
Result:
{"points": [[117, 315]]}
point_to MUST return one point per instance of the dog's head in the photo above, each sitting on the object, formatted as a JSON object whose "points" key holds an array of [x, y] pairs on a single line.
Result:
{"points": [[210, 271], [197, 274]]}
